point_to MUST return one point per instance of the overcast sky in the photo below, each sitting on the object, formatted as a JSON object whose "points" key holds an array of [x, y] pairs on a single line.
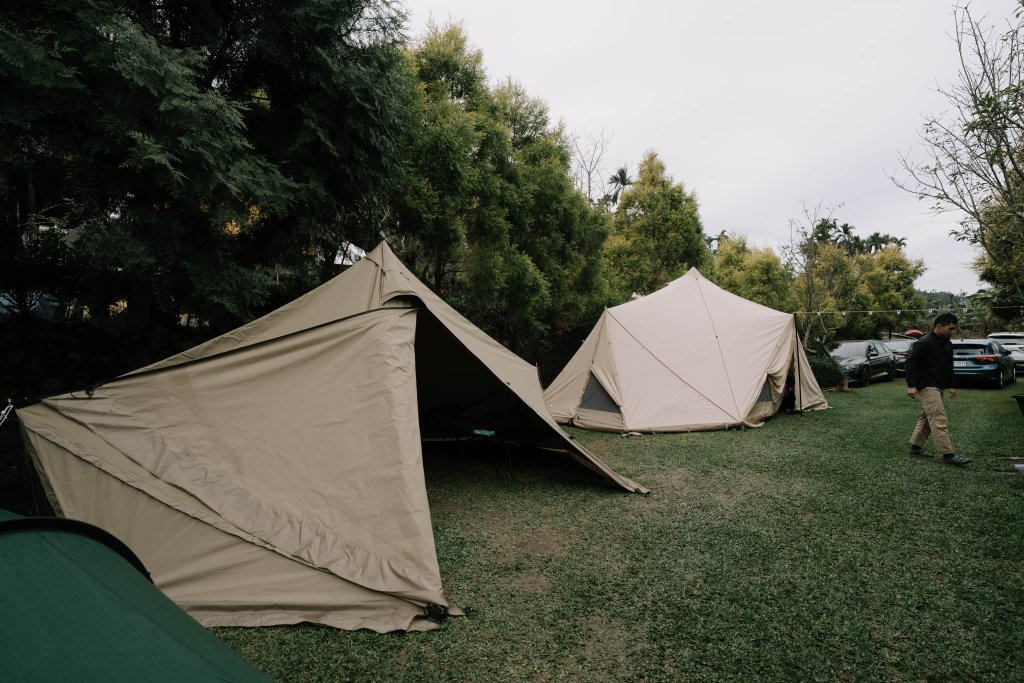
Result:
{"points": [[762, 108]]}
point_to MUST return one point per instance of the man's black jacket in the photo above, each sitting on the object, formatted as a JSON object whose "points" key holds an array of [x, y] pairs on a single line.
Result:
{"points": [[930, 363]]}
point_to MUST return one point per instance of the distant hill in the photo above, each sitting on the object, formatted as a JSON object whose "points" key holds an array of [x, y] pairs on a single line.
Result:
{"points": [[942, 299]]}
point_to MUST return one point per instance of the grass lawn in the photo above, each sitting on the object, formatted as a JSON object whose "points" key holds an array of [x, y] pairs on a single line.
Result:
{"points": [[813, 548]]}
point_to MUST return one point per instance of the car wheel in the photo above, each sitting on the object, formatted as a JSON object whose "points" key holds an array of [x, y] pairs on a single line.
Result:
{"points": [[1013, 375], [864, 376], [891, 375], [998, 379]]}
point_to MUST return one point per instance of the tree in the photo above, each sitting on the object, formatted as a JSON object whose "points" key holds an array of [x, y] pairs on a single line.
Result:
{"points": [[204, 153], [752, 273], [441, 177], [619, 181], [801, 256], [974, 159], [486, 209], [657, 233], [889, 277], [847, 286], [587, 151]]}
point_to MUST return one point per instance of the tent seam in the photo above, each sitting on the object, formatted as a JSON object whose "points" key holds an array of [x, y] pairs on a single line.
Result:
{"points": [[655, 357]]}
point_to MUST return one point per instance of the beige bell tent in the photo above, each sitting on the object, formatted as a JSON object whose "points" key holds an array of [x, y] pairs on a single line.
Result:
{"points": [[274, 474], [688, 357]]}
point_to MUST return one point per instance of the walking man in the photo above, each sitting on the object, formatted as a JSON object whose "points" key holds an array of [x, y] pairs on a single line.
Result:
{"points": [[929, 373]]}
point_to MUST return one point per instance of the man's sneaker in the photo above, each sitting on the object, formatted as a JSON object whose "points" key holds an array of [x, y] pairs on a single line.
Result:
{"points": [[919, 452], [955, 460]]}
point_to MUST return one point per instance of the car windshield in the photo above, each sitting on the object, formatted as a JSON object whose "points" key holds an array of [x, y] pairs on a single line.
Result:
{"points": [[1008, 340], [851, 348], [899, 344], [969, 349]]}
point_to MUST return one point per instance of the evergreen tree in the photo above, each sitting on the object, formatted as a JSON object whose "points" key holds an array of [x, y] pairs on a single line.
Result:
{"points": [[657, 234], [203, 153], [487, 213], [752, 273]]}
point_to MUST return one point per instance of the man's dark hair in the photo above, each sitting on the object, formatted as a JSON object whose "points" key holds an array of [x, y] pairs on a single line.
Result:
{"points": [[946, 319]]}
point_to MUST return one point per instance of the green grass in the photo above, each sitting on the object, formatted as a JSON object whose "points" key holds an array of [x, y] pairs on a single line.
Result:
{"points": [[812, 548]]}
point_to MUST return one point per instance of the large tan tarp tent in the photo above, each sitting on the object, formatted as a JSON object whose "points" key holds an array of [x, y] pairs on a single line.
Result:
{"points": [[274, 474], [688, 357]]}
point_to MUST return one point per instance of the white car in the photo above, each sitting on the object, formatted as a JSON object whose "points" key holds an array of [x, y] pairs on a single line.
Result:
{"points": [[1014, 343]]}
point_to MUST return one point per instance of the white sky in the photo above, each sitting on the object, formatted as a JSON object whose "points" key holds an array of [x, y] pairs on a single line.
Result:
{"points": [[760, 107]]}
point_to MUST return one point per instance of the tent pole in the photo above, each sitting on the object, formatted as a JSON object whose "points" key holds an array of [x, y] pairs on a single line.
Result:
{"points": [[796, 356]]}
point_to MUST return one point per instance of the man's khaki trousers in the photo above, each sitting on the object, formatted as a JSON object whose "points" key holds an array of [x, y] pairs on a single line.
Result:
{"points": [[932, 421]]}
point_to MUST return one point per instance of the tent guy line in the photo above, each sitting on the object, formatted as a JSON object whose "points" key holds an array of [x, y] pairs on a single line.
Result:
{"points": [[899, 311]]}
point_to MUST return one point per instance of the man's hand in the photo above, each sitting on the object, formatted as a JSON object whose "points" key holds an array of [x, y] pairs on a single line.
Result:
{"points": [[952, 393], [912, 392]]}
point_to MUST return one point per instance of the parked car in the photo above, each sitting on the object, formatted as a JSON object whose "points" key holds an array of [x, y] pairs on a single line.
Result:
{"points": [[1012, 342], [865, 360], [984, 361], [900, 348]]}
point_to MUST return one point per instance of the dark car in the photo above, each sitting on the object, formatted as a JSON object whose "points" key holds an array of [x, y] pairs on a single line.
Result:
{"points": [[865, 360], [900, 348], [983, 361]]}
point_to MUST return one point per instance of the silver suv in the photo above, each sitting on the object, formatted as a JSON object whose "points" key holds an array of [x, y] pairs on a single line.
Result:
{"points": [[1014, 343]]}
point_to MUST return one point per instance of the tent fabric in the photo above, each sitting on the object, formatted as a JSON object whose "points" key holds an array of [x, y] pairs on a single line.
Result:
{"points": [[274, 474], [75, 609], [381, 280], [688, 357]]}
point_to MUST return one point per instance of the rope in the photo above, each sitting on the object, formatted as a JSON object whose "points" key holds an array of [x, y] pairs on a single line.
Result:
{"points": [[900, 311], [6, 412]]}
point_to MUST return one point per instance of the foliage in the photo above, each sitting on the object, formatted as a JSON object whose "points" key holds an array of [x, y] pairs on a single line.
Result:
{"points": [[199, 150], [827, 370], [889, 276], [827, 230], [846, 287], [973, 152], [487, 212], [1001, 264], [38, 267], [657, 233], [618, 182], [756, 274]]}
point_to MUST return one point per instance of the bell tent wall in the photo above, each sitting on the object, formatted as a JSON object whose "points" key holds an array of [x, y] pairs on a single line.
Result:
{"points": [[274, 474], [688, 357]]}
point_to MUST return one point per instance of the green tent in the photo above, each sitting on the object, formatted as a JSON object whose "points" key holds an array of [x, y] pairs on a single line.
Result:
{"points": [[77, 605]]}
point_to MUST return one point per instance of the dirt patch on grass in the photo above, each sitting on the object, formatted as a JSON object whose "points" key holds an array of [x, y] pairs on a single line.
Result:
{"points": [[612, 644], [541, 543], [729, 490], [534, 583], [448, 505], [678, 480], [508, 546], [746, 489], [613, 637]]}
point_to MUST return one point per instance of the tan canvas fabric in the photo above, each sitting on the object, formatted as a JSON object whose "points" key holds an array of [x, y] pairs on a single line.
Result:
{"points": [[221, 578], [381, 280], [305, 447], [690, 356], [275, 474]]}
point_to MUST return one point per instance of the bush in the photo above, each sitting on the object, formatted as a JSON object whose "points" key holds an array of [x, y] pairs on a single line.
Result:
{"points": [[826, 370]]}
